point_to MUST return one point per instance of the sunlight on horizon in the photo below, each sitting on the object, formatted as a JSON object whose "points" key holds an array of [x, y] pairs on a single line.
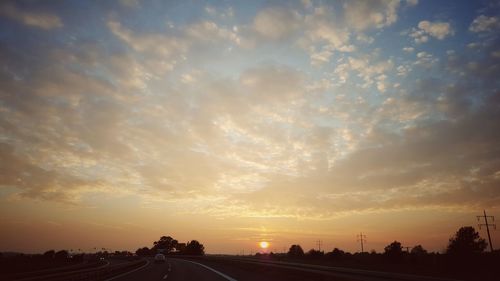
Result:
{"points": [[263, 245]]}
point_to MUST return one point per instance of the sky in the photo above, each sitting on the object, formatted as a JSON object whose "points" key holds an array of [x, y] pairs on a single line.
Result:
{"points": [[235, 122]]}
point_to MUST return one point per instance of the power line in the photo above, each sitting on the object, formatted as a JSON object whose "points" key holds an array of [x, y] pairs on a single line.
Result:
{"points": [[319, 243], [485, 217], [361, 238]]}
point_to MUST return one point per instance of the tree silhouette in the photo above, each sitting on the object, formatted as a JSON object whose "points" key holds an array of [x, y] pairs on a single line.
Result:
{"points": [[315, 254], [393, 250], [335, 254], [61, 255], [418, 250], [194, 248], [418, 254], [180, 247], [166, 244], [466, 242], [143, 251], [49, 254], [295, 251]]}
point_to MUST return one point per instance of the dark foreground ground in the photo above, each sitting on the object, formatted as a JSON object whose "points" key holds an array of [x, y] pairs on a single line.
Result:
{"points": [[232, 268], [235, 268], [176, 269]]}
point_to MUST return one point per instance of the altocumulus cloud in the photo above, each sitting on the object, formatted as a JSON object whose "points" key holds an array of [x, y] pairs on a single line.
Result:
{"points": [[35, 19], [239, 116]]}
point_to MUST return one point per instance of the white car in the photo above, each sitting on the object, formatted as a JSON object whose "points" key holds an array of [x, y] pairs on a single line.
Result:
{"points": [[160, 258]]}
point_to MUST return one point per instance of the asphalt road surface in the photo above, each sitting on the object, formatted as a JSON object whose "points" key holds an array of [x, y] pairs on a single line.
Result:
{"points": [[215, 269], [173, 270]]}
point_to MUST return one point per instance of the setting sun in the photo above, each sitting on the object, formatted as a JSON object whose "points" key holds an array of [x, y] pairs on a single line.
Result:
{"points": [[264, 244]]}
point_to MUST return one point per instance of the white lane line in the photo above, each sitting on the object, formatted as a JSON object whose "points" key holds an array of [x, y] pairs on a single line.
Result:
{"points": [[169, 269], [133, 270], [209, 268]]}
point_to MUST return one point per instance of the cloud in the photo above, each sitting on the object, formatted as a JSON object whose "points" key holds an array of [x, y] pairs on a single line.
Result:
{"points": [[328, 31], [409, 49], [161, 53], [408, 168], [223, 13], [369, 68], [403, 70], [130, 3], [363, 15], [412, 3], [439, 30], [33, 181], [78, 121], [169, 115], [208, 31], [425, 59], [95, 130], [31, 18], [270, 83], [484, 24], [276, 23], [165, 47], [322, 30], [324, 35], [318, 58], [419, 36]]}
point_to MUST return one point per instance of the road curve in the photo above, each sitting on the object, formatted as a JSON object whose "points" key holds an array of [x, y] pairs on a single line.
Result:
{"points": [[174, 270]]}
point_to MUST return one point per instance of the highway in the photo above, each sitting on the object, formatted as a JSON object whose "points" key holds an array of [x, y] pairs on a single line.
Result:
{"points": [[228, 269], [172, 270]]}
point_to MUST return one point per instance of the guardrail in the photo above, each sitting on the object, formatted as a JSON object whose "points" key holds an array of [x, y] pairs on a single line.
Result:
{"points": [[88, 274]]}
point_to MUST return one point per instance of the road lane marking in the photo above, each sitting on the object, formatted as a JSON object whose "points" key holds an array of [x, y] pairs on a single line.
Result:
{"points": [[128, 272], [218, 272], [103, 266], [169, 269]]}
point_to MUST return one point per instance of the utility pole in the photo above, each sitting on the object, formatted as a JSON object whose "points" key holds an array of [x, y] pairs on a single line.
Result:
{"points": [[485, 217], [319, 242], [361, 239]]}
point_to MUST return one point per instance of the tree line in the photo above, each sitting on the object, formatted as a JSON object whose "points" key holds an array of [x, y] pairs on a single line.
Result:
{"points": [[464, 258], [465, 243], [169, 245]]}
